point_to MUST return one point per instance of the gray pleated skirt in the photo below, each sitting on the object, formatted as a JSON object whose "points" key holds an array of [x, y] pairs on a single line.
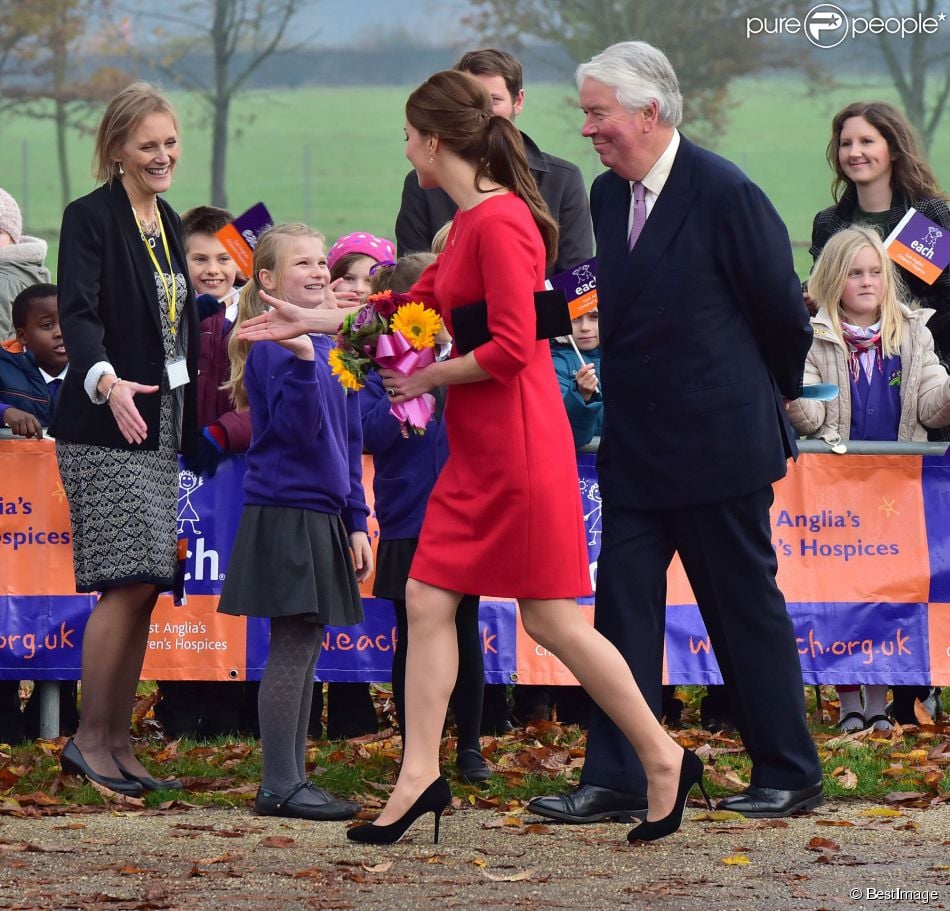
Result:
{"points": [[289, 562]]}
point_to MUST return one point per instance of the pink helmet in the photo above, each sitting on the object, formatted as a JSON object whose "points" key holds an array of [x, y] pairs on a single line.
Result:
{"points": [[377, 248]]}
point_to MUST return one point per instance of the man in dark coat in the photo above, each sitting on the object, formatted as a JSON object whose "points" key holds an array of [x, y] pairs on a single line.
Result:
{"points": [[702, 334], [423, 212]]}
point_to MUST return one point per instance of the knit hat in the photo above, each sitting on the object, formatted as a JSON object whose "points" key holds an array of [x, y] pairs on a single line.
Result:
{"points": [[10, 219], [378, 248]]}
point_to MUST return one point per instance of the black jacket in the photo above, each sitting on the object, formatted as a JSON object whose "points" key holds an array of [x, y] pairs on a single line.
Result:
{"points": [[108, 311], [423, 212]]}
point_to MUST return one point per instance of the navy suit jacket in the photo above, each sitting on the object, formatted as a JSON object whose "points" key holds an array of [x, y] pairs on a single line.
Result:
{"points": [[702, 331]]}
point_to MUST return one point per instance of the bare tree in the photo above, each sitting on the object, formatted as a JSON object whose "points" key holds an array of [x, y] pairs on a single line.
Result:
{"points": [[705, 42], [242, 34], [16, 20], [42, 50], [919, 64]]}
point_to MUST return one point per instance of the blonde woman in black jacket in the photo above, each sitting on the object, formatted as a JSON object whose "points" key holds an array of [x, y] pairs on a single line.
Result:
{"points": [[126, 409]]}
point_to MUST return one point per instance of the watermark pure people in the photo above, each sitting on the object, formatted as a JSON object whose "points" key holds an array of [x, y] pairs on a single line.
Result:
{"points": [[827, 25]]}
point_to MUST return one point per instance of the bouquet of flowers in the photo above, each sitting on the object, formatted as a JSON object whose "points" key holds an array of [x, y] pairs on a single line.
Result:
{"points": [[389, 330]]}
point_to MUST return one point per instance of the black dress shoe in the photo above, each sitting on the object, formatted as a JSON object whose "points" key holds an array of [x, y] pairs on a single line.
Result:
{"points": [[716, 724], [73, 764], [305, 801], [590, 803], [152, 784], [768, 803]]}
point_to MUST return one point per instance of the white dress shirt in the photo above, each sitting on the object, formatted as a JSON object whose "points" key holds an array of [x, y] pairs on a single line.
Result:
{"points": [[656, 178]]}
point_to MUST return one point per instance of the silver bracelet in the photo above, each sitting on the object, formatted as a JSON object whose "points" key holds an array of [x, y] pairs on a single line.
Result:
{"points": [[107, 396]]}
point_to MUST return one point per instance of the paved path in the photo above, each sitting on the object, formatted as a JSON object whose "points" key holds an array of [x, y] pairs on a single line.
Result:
{"points": [[229, 859]]}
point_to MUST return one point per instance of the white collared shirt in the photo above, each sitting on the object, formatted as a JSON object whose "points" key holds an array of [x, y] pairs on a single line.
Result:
{"points": [[48, 378], [656, 178], [231, 307]]}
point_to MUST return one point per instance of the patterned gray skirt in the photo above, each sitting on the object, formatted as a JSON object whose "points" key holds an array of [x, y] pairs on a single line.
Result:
{"points": [[123, 509]]}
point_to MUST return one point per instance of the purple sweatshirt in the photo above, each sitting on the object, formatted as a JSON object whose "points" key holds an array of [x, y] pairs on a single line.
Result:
{"points": [[307, 440]]}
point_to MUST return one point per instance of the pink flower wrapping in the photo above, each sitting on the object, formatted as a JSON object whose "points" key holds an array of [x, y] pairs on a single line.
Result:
{"points": [[395, 332]]}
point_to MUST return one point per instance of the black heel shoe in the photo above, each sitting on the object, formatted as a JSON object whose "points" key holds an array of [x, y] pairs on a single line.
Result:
{"points": [[691, 773], [434, 799], [72, 763], [152, 784]]}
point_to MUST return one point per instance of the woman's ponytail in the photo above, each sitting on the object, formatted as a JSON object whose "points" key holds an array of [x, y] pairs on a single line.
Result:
{"points": [[506, 163], [457, 108]]}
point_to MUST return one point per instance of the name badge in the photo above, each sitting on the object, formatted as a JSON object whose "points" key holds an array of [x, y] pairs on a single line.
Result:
{"points": [[177, 371]]}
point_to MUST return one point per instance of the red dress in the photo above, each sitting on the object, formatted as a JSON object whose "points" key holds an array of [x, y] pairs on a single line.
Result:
{"points": [[505, 515]]}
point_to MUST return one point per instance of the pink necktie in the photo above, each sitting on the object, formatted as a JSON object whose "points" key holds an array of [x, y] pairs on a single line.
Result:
{"points": [[639, 212]]}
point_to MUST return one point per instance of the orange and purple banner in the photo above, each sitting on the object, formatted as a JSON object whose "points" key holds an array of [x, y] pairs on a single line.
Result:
{"points": [[579, 286], [863, 545], [920, 245], [240, 236]]}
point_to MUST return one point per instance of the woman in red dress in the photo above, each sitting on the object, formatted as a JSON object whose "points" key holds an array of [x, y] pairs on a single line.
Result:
{"points": [[505, 514]]}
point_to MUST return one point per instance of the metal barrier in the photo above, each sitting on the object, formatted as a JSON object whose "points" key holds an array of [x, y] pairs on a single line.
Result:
{"points": [[854, 447]]}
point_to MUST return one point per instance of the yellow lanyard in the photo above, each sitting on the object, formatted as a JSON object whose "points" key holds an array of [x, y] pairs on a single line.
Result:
{"points": [[170, 295]]}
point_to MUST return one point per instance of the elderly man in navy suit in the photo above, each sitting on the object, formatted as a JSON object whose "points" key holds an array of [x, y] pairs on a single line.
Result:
{"points": [[702, 334]]}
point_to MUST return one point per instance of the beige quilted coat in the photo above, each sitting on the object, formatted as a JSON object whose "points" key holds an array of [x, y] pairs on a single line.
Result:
{"points": [[925, 385]]}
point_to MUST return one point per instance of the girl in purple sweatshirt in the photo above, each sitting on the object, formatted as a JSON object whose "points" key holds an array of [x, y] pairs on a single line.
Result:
{"points": [[301, 544]]}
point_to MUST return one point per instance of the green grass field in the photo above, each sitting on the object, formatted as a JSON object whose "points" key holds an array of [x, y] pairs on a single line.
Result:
{"points": [[353, 141]]}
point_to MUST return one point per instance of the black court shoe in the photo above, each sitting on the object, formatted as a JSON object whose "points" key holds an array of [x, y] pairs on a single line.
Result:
{"points": [[152, 784], [72, 763], [691, 773], [434, 799]]}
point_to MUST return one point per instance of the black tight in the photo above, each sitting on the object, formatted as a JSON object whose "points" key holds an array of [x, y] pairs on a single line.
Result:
{"points": [[467, 695]]}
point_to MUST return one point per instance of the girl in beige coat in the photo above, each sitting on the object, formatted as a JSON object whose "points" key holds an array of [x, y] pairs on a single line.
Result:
{"points": [[923, 382], [891, 385]]}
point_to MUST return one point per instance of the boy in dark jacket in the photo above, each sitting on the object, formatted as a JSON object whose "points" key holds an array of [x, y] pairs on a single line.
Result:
{"points": [[33, 365]]}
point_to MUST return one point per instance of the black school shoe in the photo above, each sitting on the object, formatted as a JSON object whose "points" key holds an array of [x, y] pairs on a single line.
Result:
{"points": [[305, 801], [472, 766]]}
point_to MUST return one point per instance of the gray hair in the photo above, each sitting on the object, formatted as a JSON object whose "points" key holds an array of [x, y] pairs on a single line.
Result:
{"points": [[639, 73]]}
